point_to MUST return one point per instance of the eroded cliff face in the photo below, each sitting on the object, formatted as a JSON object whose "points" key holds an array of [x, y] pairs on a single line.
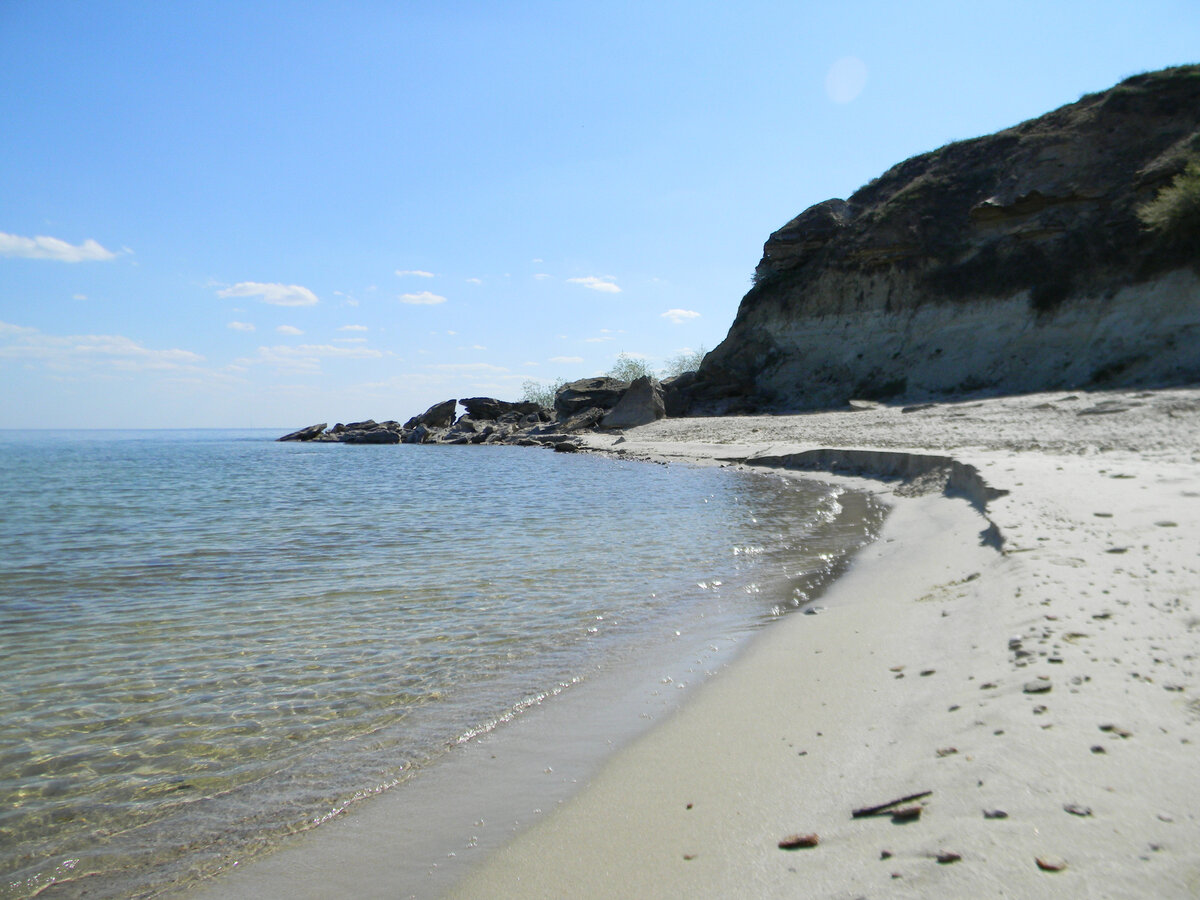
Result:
{"points": [[1007, 263]]}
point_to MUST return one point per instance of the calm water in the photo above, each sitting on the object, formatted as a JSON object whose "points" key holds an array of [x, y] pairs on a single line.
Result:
{"points": [[209, 640]]}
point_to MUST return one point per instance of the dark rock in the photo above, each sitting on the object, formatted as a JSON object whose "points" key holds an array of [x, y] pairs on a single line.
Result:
{"points": [[360, 426], [488, 408], [371, 436], [416, 435], [586, 393], [440, 415], [586, 419], [305, 434], [641, 404], [566, 447]]}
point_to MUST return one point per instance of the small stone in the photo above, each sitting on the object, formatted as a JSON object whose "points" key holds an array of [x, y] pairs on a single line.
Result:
{"points": [[947, 856], [1077, 809], [907, 814], [885, 854], [689, 856], [1037, 687], [927, 672], [1051, 863], [796, 841], [1117, 730], [947, 751], [1096, 748], [995, 814]]}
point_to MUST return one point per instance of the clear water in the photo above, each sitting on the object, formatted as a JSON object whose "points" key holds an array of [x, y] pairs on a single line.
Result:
{"points": [[209, 640]]}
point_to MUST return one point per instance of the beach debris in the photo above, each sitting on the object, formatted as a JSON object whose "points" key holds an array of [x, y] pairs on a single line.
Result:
{"points": [[689, 856], [907, 814], [1097, 748], [995, 814], [887, 808], [946, 857], [927, 672], [1038, 687], [946, 751], [1051, 863], [885, 854], [1077, 809], [1120, 732], [797, 841]]}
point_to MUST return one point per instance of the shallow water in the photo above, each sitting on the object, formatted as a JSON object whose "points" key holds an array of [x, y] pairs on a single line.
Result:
{"points": [[210, 640]]}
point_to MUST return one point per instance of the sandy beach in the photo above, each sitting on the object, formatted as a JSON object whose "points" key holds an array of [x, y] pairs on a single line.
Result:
{"points": [[1038, 693], [1017, 653]]}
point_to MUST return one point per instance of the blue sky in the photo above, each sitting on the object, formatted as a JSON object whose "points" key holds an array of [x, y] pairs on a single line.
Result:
{"points": [[274, 214]]}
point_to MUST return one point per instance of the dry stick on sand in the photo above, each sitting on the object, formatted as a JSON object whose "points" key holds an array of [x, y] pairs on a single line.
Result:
{"points": [[886, 808]]}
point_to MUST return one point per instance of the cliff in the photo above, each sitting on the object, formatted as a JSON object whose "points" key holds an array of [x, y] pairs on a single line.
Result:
{"points": [[1018, 261]]}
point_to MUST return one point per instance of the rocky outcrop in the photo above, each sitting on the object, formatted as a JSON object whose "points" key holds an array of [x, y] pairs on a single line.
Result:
{"points": [[489, 408], [440, 415], [1008, 263], [640, 405], [305, 434], [487, 421], [577, 396]]}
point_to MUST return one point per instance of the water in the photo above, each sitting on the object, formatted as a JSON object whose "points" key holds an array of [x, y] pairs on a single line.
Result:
{"points": [[209, 640]]}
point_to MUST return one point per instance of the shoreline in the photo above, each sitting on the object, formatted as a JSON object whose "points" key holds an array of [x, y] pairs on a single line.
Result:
{"points": [[928, 672], [1096, 590], [420, 837]]}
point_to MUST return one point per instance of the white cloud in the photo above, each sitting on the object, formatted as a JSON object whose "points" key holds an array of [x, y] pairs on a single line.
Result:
{"points": [[597, 340], [478, 347], [452, 333], [679, 316], [566, 359], [425, 298], [530, 364], [288, 329], [352, 328], [79, 296], [240, 326], [468, 367], [349, 340], [42, 247], [305, 357], [275, 294], [538, 260], [474, 281], [605, 285], [417, 273], [542, 276], [95, 352]]}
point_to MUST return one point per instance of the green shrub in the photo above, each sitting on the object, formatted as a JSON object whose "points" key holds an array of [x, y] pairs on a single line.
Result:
{"points": [[688, 361], [541, 392], [1175, 212], [629, 368]]}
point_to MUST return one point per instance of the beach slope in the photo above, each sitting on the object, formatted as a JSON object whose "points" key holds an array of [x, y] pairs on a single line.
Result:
{"points": [[1026, 666]]}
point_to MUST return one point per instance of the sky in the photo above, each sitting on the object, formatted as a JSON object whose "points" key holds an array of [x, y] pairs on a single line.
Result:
{"points": [[252, 214]]}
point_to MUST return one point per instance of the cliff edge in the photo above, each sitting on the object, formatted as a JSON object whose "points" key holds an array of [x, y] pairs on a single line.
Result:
{"points": [[1021, 261]]}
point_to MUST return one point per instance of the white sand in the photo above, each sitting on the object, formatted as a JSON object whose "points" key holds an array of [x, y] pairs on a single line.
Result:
{"points": [[914, 680]]}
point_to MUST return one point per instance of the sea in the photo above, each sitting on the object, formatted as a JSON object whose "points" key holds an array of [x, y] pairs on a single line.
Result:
{"points": [[210, 640]]}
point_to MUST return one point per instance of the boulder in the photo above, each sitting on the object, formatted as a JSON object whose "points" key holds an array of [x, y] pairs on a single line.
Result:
{"points": [[586, 419], [305, 434], [440, 415], [371, 436], [491, 409], [586, 393], [640, 405]]}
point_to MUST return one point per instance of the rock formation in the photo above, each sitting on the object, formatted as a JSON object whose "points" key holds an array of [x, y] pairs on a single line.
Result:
{"points": [[1008, 263]]}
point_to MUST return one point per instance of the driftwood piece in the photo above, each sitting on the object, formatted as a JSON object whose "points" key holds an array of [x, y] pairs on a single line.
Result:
{"points": [[886, 808]]}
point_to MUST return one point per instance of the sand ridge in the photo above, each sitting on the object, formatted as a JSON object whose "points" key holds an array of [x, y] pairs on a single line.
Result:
{"points": [[1046, 694]]}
